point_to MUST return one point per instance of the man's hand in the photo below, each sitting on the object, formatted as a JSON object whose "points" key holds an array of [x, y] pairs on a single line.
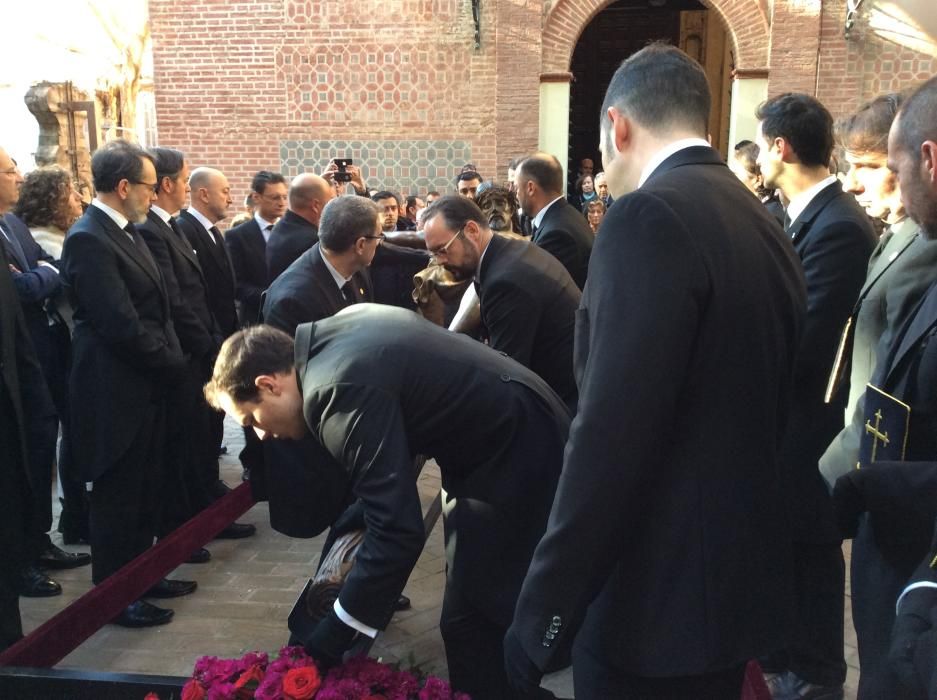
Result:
{"points": [[523, 675], [330, 639], [849, 502]]}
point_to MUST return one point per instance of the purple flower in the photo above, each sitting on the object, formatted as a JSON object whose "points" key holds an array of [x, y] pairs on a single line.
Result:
{"points": [[270, 688], [435, 689], [222, 691]]}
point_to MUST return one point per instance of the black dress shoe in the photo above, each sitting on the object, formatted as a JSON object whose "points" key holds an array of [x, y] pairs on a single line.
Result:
{"points": [[403, 603], [236, 531], [199, 556], [34, 583], [55, 558], [219, 489], [171, 588], [143, 614]]}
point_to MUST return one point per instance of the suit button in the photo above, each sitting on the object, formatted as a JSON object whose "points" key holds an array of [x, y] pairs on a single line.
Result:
{"points": [[551, 635], [554, 628], [505, 377], [546, 642], [557, 620]]}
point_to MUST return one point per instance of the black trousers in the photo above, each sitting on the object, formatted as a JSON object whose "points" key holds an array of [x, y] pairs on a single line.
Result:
{"points": [[816, 652], [474, 649], [125, 500], [880, 568], [594, 679], [15, 504]]}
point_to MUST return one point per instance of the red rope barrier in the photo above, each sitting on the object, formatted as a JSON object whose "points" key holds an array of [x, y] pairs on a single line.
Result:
{"points": [[59, 636]]}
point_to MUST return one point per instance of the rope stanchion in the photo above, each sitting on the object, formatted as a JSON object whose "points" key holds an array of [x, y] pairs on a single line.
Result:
{"points": [[59, 636]]}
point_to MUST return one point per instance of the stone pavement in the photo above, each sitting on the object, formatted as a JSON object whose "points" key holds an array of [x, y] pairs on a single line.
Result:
{"points": [[248, 588]]}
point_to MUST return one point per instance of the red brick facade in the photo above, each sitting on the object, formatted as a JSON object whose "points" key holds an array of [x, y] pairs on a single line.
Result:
{"points": [[248, 84]]}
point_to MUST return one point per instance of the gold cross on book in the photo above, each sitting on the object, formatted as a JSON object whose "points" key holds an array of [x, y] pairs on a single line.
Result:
{"points": [[877, 435]]}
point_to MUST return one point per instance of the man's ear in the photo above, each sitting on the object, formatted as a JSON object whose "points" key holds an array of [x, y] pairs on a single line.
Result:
{"points": [[784, 148], [123, 188], [929, 162], [621, 130], [269, 383]]}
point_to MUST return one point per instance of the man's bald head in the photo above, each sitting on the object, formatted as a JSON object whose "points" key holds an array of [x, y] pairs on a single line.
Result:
{"points": [[10, 181], [210, 193], [543, 169], [309, 194]]}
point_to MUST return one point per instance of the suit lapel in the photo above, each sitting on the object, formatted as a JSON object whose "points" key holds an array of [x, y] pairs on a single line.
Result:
{"points": [[889, 258], [123, 241], [923, 321], [323, 278], [801, 224], [216, 250]]}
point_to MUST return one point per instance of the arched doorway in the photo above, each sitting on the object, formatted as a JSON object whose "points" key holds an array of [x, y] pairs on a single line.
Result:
{"points": [[747, 40], [623, 28]]}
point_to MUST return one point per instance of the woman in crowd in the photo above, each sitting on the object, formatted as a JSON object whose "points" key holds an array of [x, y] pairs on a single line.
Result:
{"points": [[49, 204], [595, 212], [744, 163], [584, 192]]}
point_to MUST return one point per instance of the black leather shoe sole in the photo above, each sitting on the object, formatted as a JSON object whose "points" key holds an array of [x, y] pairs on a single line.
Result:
{"points": [[143, 614], [171, 588], [236, 531], [199, 556]]}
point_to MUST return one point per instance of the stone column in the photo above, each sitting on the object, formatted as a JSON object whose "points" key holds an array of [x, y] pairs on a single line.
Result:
{"points": [[749, 89], [554, 116]]}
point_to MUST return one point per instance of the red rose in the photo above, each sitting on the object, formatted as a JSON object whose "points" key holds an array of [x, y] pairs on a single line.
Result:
{"points": [[301, 683], [193, 690]]}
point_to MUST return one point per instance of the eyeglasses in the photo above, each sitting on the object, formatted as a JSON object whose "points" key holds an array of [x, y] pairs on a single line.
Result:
{"points": [[375, 238], [275, 197], [151, 185], [434, 254]]}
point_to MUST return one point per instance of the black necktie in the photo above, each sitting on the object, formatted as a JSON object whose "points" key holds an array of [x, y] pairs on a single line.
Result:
{"points": [[348, 291], [787, 222], [141, 246], [216, 234]]}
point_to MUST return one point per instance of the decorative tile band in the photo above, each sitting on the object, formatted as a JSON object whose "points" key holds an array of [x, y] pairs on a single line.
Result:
{"points": [[409, 167]]}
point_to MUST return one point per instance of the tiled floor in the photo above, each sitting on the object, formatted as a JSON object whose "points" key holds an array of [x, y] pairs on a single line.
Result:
{"points": [[248, 588]]}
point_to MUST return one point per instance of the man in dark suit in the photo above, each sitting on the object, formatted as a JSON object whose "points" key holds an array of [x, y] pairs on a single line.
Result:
{"points": [[247, 243], [125, 355], [376, 385], [670, 517], [834, 239], [528, 300], [36, 280], [191, 458], [211, 196], [19, 369], [330, 275], [298, 230], [558, 227], [889, 506], [901, 269]]}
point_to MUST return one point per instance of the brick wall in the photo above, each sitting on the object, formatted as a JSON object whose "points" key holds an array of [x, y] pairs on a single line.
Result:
{"points": [[399, 85]]}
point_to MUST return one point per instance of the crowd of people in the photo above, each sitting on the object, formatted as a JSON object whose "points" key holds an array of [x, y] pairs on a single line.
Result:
{"points": [[651, 452]]}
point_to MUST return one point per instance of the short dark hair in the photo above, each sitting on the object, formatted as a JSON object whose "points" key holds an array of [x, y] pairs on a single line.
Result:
{"points": [[577, 186], [746, 153], [346, 219], [917, 121], [168, 163], [246, 355], [43, 196], [432, 193], [866, 130], [115, 161], [265, 177], [411, 200], [543, 169], [384, 194], [468, 175], [513, 163], [456, 211], [803, 122], [660, 88]]}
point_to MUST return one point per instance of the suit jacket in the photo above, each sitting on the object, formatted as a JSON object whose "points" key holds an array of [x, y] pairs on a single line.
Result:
{"points": [[35, 284], [900, 272], [297, 471], [380, 385], [528, 304], [565, 233], [20, 376], [669, 518], [192, 319], [306, 292], [247, 248], [834, 239], [217, 270], [391, 274], [124, 346], [291, 237]]}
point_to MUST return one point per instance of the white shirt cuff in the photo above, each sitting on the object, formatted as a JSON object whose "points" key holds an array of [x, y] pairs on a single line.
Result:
{"points": [[352, 622], [913, 586]]}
